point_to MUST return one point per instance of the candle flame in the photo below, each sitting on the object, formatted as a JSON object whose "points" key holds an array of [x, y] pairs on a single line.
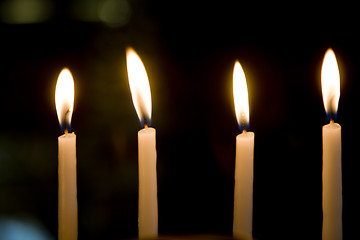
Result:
{"points": [[139, 86], [330, 83], [241, 99], [64, 98]]}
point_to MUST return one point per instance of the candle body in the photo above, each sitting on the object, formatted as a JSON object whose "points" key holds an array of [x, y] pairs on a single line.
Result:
{"points": [[68, 218], [148, 206], [243, 193], [332, 183]]}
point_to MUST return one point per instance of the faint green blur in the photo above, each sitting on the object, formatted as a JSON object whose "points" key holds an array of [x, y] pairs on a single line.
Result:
{"points": [[26, 11], [114, 13]]}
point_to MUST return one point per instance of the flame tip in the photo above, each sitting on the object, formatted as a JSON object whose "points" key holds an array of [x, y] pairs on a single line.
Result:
{"points": [[329, 50], [129, 49]]}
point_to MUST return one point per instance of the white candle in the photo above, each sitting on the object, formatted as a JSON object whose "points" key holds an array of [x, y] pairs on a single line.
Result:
{"points": [[243, 194], [332, 178], [148, 209], [64, 100], [67, 187], [244, 162], [141, 96], [332, 183]]}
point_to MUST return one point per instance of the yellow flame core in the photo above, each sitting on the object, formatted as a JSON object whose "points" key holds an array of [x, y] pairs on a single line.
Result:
{"points": [[64, 97], [330, 82], [139, 85], [240, 93]]}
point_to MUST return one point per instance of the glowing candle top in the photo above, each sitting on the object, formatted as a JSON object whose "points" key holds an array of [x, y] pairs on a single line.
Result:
{"points": [[64, 98], [139, 86], [241, 99], [330, 83]]}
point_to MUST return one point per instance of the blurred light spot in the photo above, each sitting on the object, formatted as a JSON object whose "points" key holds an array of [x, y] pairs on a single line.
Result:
{"points": [[26, 11], [12, 229], [86, 10], [115, 13]]}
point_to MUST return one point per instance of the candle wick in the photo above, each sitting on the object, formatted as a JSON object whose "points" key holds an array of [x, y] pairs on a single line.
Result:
{"points": [[331, 121], [146, 123], [66, 131], [244, 132]]}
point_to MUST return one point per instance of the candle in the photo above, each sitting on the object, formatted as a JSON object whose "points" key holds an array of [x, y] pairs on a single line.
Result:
{"points": [[141, 97], [64, 100], [332, 182], [244, 161]]}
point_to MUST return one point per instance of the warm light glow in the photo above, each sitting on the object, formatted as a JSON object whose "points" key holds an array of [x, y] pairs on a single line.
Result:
{"points": [[64, 97], [139, 86], [330, 82], [240, 93]]}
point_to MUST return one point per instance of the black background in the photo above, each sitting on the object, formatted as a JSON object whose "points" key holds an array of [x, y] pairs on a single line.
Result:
{"points": [[189, 50]]}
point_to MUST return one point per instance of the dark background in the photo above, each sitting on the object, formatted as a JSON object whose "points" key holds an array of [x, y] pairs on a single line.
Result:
{"points": [[189, 50]]}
